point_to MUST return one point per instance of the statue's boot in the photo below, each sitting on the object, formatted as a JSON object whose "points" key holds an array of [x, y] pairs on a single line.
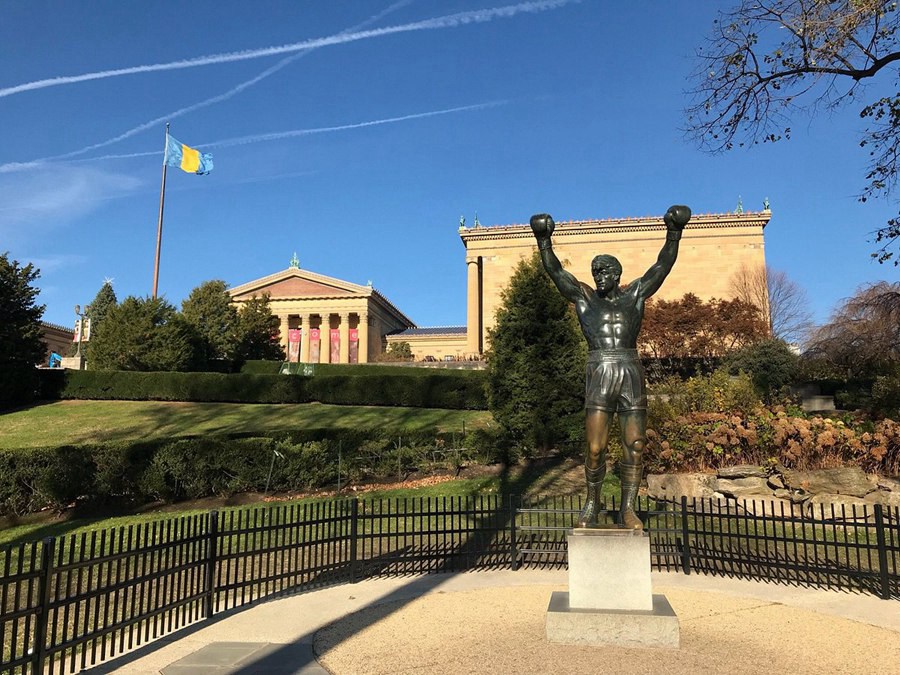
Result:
{"points": [[630, 474], [594, 503]]}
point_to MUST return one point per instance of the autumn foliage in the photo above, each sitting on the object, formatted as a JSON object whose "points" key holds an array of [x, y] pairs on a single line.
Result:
{"points": [[715, 421], [692, 335], [769, 436]]}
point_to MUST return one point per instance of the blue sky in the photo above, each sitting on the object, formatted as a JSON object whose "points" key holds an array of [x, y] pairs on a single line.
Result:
{"points": [[361, 152]]}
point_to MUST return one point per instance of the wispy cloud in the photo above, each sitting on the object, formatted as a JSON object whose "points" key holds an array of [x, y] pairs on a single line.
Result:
{"points": [[56, 195], [220, 98], [437, 23], [13, 167], [279, 135], [52, 263]]}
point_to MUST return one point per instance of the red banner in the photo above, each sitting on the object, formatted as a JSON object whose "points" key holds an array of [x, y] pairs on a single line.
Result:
{"points": [[294, 345], [314, 340], [335, 345], [354, 345]]}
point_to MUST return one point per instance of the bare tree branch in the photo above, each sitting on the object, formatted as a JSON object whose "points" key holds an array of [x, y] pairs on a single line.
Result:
{"points": [[864, 333], [768, 60], [782, 303]]}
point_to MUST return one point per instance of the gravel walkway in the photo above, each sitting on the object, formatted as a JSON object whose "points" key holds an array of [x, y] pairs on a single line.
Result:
{"points": [[493, 622], [501, 630]]}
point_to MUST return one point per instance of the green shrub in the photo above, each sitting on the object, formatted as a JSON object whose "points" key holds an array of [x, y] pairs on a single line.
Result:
{"points": [[66, 474], [200, 467], [349, 385], [119, 467], [886, 394], [715, 393], [192, 468], [771, 364], [304, 466], [45, 478], [257, 367]]}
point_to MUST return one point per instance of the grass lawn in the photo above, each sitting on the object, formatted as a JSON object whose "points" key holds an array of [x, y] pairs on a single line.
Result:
{"points": [[64, 422]]}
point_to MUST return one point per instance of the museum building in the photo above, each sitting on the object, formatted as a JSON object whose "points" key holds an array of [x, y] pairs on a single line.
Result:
{"points": [[326, 320], [323, 319]]}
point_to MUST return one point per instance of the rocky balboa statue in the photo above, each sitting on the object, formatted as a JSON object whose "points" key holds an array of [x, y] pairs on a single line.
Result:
{"points": [[610, 318]]}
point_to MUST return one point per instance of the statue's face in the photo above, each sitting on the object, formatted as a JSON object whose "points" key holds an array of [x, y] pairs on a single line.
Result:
{"points": [[606, 277]]}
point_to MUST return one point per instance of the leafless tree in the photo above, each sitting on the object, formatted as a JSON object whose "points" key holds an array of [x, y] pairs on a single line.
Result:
{"points": [[767, 60], [863, 334], [782, 302]]}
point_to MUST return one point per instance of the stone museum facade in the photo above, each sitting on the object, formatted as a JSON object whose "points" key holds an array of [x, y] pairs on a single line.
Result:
{"points": [[56, 338], [713, 248], [327, 320]]}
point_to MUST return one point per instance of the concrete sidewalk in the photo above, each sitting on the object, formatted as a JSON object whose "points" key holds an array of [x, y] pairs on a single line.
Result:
{"points": [[277, 636]]}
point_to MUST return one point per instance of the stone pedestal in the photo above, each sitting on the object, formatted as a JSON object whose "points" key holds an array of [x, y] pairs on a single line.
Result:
{"points": [[72, 362], [610, 601]]}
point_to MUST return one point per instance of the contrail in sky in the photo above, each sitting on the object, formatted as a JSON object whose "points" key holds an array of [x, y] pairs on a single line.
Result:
{"points": [[448, 21], [274, 136], [278, 135], [234, 91]]}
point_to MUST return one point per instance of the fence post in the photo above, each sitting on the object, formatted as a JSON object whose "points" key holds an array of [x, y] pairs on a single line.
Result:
{"points": [[212, 542], [354, 540], [44, 584], [513, 552], [685, 542], [882, 552]]}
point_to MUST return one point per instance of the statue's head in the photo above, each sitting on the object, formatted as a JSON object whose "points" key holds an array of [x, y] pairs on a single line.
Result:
{"points": [[606, 270]]}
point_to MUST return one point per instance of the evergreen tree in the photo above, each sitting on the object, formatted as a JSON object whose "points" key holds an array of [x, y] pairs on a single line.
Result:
{"points": [[399, 351], [20, 332], [536, 362], [104, 301], [210, 311], [258, 332], [145, 334], [97, 311]]}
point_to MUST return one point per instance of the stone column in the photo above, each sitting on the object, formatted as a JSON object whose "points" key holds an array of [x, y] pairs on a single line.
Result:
{"points": [[345, 337], [284, 332], [304, 338], [473, 307], [325, 338], [363, 328]]}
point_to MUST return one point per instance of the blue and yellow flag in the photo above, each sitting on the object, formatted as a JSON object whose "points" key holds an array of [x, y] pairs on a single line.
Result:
{"points": [[187, 159]]}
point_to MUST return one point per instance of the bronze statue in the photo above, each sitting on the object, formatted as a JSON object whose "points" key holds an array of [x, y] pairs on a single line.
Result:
{"points": [[610, 318]]}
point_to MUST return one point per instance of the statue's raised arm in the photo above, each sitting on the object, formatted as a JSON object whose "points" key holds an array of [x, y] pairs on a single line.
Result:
{"points": [[542, 225], [675, 219]]}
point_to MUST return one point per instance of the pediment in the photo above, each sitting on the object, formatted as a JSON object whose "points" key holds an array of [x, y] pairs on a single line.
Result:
{"points": [[296, 283]]}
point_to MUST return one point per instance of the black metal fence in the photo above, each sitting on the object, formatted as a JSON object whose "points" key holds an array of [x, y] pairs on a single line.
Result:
{"points": [[70, 602]]}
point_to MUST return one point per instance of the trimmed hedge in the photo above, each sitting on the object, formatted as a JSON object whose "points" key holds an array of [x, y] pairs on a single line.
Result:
{"points": [[342, 385], [192, 468]]}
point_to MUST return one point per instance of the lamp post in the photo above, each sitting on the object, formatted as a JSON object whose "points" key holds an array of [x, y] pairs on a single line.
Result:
{"points": [[80, 326]]}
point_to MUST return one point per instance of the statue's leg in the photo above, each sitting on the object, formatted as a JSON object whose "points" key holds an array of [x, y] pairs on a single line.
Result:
{"points": [[597, 427], [634, 440]]}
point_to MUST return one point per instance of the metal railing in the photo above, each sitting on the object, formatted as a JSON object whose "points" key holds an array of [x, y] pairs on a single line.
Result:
{"points": [[70, 602]]}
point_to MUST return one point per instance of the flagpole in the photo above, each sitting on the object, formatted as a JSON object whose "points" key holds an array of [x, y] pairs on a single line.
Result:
{"points": [[162, 201]]}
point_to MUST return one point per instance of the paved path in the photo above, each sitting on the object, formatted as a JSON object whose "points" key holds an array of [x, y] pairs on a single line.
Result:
{"points": [[277, 636]]}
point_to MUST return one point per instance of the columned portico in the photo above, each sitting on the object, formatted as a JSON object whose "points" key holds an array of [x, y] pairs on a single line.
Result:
{"points": [[324, 338], [345, 337], [364, 337], [304, 337], [473, 305], [285, 324], [308, 301]]}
